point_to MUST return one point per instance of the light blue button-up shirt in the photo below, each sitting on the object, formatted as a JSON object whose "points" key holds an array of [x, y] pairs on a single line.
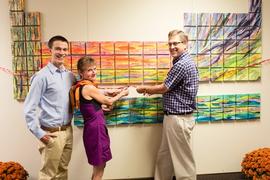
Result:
{"points": [[49, 91]]}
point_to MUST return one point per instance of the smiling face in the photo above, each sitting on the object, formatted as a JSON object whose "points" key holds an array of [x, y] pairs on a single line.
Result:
{"points": [[177, 45], [89, 73], [59, 51]]}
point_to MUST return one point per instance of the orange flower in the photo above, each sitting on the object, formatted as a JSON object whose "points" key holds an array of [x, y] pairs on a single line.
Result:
{"points": [[256, 164], [12, 170]]}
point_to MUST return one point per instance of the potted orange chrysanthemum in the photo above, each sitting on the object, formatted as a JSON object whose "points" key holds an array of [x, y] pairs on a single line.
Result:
{"points": [[12, 170], [256, 164]]}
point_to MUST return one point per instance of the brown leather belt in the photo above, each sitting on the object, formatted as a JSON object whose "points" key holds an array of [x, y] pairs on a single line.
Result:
{"points": [[54, 129]]}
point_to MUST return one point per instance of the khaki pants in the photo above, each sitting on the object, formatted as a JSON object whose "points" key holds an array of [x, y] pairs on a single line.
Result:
{"points": [[175, 154], [56, 155]]}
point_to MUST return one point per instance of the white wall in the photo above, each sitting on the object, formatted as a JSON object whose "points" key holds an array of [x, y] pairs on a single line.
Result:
{"points": [[218, 147]]}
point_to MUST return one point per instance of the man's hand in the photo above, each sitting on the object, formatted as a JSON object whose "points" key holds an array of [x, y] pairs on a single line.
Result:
{"points": [[45, 139], [141, 89]]}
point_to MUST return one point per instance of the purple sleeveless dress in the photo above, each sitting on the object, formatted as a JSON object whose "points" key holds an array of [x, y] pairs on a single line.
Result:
{"points": [[95, 133]]}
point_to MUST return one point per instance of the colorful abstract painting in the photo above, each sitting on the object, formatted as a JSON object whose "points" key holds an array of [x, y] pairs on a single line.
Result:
{"points": [[226, 46], [232, 107], [120, 62], [26, 46]]}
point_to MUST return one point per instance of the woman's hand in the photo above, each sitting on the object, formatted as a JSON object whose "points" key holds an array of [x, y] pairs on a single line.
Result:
{"points": [[106, 108]]}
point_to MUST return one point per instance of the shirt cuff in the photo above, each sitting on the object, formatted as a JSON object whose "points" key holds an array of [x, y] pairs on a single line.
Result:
{"points": [[39, 133], [166, 84]]}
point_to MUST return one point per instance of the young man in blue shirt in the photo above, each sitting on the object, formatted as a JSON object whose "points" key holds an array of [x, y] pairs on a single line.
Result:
{"points": [[49, 92]]}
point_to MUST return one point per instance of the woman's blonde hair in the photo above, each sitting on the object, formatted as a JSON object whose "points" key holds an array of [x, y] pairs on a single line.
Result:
{"points": [[84, 62]]}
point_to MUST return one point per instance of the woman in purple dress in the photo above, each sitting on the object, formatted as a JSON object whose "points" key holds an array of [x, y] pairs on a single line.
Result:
{"points": [[90, 100]]}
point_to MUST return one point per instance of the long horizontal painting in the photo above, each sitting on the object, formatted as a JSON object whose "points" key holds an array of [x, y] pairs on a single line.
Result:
{"points": [[218, 108]]}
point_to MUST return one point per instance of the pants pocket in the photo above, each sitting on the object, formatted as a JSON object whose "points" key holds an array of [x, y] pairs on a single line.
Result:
{"points": [[189, 125], [50, 142]]}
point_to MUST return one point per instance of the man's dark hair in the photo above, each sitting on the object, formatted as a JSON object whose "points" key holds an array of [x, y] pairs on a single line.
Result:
{"points": [[56, 38]]}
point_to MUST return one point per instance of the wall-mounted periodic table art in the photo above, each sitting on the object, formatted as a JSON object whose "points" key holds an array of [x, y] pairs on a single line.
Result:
{"points": [[226, 46], [218, 108]]}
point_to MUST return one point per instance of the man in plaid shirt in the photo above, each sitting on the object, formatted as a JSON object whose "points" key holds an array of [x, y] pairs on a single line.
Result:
{"points": [[179, 91]]}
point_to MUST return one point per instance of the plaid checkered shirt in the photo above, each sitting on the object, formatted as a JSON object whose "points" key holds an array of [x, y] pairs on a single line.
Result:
{"points": [[183, 82]]}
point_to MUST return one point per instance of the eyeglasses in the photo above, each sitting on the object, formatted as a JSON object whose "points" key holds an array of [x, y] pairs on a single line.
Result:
{"points": [[174, 43]]}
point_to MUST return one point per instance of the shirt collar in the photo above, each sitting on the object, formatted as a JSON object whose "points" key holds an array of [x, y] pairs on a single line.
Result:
{"points": [[54, 69], [185, 53]]}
